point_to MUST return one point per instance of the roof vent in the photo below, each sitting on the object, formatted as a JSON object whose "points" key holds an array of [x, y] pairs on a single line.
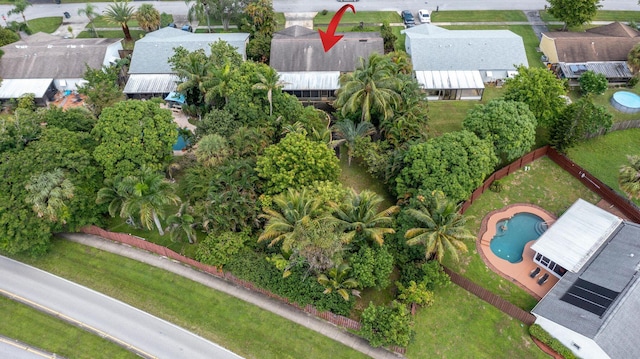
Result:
{"points": [[363, 40]]}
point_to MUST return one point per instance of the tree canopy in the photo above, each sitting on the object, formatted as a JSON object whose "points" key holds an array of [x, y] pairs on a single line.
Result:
{"points": [[574, 12], [578, 120], [132, 134], [455, 163], [509, 125], [591, 82], [296, 162], [540, 89]]}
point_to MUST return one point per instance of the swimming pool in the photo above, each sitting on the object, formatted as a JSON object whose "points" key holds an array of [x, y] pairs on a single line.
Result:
{"points": [[180, 144], [514, 233], [625, 101]]}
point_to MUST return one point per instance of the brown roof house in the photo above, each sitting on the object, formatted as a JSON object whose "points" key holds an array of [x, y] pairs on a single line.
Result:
{"points": [[601, 49], [307, 70], [43, 63]]}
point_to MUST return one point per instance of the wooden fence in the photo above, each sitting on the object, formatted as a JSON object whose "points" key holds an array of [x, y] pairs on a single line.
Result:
{"points": [[624, 125], [628, 208], [493, 299]]}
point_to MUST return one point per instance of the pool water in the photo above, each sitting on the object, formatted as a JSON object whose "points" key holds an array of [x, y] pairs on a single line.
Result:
{"points": [[625, 101], [514, 233], [180, 144]]}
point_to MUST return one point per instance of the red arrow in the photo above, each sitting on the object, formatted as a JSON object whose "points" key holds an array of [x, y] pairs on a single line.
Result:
{"points": [[329, 38]]}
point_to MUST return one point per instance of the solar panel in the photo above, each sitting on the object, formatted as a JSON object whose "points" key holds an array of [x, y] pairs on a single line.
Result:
{"points": [[590, 297]]}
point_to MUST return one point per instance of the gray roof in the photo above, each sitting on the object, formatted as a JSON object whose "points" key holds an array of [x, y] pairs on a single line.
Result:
{"points": [[614, 266], [611, 70], [152, 52], [435, 49], [46, 56], [151, 84], [297, 48]]}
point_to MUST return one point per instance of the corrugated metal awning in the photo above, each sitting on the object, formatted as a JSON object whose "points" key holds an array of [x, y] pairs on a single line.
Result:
{"points": [[151, 84], [449, 80], [310, 80], [611, 69], [576, 235], [14, 88]]}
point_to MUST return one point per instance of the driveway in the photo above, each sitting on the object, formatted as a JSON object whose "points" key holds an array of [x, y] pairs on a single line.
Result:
{"points": [[138, 331]]}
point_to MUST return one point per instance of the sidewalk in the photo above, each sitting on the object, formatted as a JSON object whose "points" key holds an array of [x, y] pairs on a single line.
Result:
{"points": [[218, 284]]}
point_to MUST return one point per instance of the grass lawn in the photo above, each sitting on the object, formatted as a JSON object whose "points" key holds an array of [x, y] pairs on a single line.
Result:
{"points": [[478, 16], [357, 177], [602, 15], [401, 37], [243, 328], [529, 38], [112, 34], [101, 22], [545, 185], [351, 19], [602, 156], [604, 100], [45, 24], [461, 325], [48, 333], [447, 116]]}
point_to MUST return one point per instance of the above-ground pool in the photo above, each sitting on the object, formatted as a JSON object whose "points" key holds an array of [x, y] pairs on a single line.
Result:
{"points": [[625, 101], [513, 234]]}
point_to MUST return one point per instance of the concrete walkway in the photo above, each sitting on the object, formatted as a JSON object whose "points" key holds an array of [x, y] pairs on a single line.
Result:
{"points": [[279, 308]]}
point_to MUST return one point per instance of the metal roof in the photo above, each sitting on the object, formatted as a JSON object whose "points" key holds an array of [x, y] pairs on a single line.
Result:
{"points": [[151, 84], [310, 80], [611, 70], [151, 53], [14, 88], [434, 48], [443, 80], [576, 235]]}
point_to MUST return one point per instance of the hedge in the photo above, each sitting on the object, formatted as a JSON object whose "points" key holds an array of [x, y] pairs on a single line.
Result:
{"points": [[542, 335]]}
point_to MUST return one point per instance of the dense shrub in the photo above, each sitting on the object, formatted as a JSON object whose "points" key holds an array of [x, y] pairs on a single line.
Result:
{"points": [[387, 325], [8, 36], [543, 336], [372, 266], [219, 248], [591, 82], [299, 287], [415, 293], [217, 121]]}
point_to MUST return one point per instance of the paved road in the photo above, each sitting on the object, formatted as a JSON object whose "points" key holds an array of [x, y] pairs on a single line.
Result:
{"points": [[179, 7], [148, 336], [13, 349]]}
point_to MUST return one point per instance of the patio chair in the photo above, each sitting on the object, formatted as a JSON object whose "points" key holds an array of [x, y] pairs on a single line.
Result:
{"points": [[534, 272], [543, 279]]}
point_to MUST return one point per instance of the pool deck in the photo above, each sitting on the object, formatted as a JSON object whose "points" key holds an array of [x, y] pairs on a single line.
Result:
{"points": [[517, 273]]}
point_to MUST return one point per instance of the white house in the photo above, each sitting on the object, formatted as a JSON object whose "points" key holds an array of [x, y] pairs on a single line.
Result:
{"points": [[594, 308], [455, 64], [150, 73]]}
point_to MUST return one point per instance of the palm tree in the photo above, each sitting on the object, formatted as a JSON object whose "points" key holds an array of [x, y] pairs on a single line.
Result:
{"points": [[293, 209], [212, 150], [181, 224], [193, 73], [120, 13], [629, 177], [199, 9], [371, 87], [47, 194], [338, 280], [150, 193], [19, 6], [115, 194], [269, 82], [148, 17], [89, 11], [349, 132], [218, 83], [358, 216], [443, 228]]}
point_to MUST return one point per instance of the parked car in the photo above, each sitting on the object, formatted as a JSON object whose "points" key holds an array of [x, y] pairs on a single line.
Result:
{"points": [[408, 19], [424, 16]]}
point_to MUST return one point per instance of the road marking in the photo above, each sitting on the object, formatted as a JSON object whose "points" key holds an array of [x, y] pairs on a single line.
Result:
{"points": [[78, 323]]}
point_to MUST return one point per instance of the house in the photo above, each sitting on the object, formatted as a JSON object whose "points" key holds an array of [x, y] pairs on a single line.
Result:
{"points": [[43, 64], [150, 73], [308, 71], [602, 49], [594, 308], [455, 64]]}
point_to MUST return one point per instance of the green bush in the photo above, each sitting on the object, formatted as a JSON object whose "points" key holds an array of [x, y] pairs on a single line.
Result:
{"points": [[372, 266], [8, 36], [591, 82], [218, 248], [387, 325], [496, 186], [542, 335], [299, 287], [633, 82]]}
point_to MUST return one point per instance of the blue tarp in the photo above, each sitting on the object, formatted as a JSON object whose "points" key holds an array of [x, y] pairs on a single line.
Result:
{"points": [[176, 97]]}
